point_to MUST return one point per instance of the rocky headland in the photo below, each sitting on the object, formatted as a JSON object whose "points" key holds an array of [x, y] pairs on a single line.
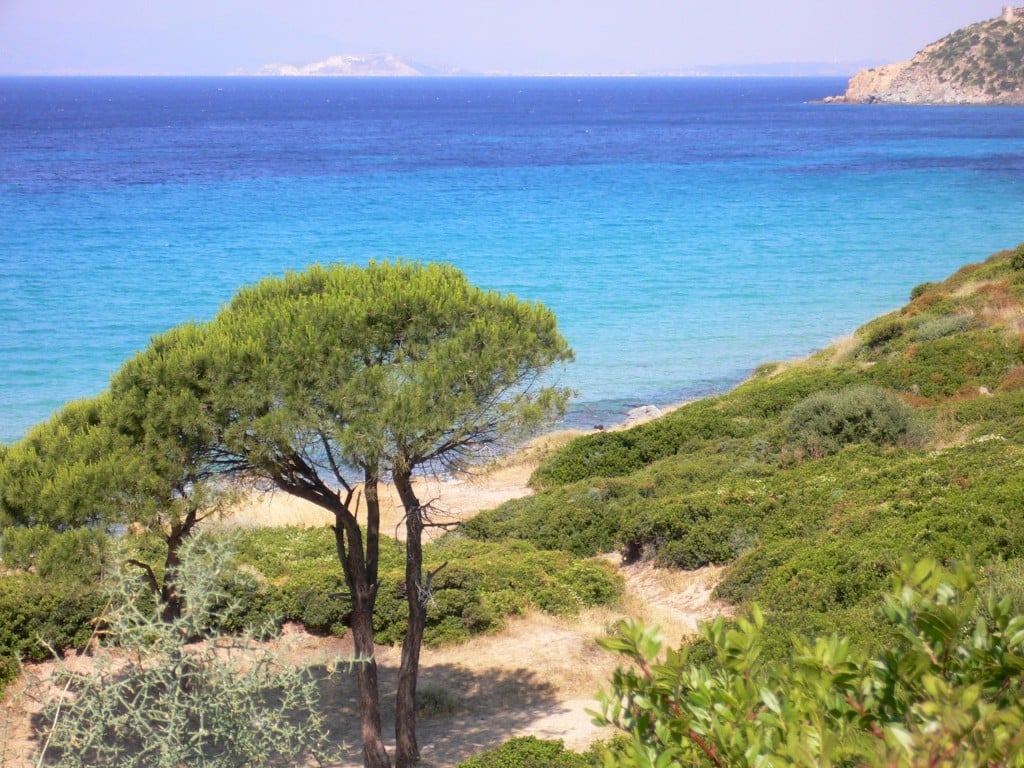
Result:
{"points": [[982, 63]]}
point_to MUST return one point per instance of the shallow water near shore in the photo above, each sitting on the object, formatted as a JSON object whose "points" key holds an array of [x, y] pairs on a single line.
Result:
{"points": [[682, 230]]}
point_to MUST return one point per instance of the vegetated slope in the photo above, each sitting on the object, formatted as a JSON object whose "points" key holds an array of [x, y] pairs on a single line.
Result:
{"points": [[980, 64], [814, 479]]}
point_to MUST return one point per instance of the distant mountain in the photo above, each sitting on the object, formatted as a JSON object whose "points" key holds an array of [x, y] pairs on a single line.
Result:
{"points": [[352, 65], [980, 64]]}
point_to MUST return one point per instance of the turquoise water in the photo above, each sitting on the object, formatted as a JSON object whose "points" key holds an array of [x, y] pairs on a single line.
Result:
{"points": [[682, 230]]}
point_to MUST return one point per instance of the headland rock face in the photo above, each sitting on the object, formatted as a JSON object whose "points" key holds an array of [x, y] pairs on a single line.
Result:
{"points": [[980, 64]]}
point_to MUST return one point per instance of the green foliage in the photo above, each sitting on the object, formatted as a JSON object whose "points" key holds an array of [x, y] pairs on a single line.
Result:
{"points": [[68, 471], [948, 692], [947, 325], [38, 614], [296, 578], [582, 519], [80, 554], [435, 700], [159, 700], [826, 421], [920, 290], [815, 541], [882, 332], [1017, 257], [531, 752], [951, 365]]}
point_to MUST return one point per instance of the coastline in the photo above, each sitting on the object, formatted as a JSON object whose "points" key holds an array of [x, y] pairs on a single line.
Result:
{"points": [[452, 498]]}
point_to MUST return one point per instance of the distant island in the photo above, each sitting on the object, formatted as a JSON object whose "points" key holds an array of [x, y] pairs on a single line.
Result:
{"points": [[390, 65], [353, 65], [982, 63]]}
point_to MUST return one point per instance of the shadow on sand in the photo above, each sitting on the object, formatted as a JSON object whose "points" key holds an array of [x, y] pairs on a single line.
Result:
{"points": [[461, 712]]}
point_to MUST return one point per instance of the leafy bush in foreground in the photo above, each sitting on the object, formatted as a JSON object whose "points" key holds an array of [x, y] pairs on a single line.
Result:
{"points": [[949, 692]]}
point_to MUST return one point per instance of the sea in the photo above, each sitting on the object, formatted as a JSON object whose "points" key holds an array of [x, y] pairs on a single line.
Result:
{"points": [[683, 230]]}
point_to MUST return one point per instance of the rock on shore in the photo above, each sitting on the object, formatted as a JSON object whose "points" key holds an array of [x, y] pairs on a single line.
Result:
{"points": [[980, 64]]}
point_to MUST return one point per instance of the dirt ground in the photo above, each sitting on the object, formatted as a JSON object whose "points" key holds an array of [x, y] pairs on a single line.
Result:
{"points": [[538, 677]]}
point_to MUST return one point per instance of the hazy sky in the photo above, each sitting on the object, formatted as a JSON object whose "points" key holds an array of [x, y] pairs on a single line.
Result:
{"points": [[212, 37]]}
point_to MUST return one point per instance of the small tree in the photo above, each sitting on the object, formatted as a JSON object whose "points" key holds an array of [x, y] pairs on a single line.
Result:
{"points": [[318, 381], [107, 462]]}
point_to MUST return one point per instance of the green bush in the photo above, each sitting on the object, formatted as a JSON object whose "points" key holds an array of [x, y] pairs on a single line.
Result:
{"points": [[78, 554], [1017, 257], [531, 752], [584, 521], [920, 289], [826, 421], [10, 667], [676, 535], [37, 615], [938, 327], [945, 691], [293, 575], [619, 453], [951, 365], [882, 332]]}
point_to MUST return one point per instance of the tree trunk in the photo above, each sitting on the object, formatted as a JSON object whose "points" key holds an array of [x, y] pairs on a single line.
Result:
{"points": [[364, 595], [407, 751], [360, 567], [170, 597]]}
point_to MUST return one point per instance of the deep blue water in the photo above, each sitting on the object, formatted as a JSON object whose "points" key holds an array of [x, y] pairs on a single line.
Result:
{"points": [[684, 230]]}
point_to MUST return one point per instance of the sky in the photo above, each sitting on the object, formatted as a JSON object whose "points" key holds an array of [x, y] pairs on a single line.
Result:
{"points": [[217, 37]]}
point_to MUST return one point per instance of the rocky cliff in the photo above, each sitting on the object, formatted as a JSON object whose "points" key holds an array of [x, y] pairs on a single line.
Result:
{"points": [[979, 64]]}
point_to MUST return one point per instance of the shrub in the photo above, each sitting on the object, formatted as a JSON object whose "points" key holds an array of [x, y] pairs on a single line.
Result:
{"points": [[673, 535], [938, 327], [620, 453], [952, 365], [945, 692], [435, 700], [164, 701], [920, 290], [582, 521], [1017, 257], [883, 332], [79, 554], [826, 421], [38, 614], [531, 752]]}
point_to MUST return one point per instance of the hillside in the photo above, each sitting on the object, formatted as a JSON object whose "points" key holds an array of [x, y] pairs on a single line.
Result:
{"points": [[813, 480], [980, 64]]}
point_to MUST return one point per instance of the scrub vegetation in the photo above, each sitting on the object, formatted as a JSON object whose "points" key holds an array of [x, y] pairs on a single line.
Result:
{"points": [[813, 480]]}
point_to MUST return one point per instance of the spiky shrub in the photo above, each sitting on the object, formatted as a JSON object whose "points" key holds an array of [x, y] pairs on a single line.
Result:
{"points": [[163, 694]]}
